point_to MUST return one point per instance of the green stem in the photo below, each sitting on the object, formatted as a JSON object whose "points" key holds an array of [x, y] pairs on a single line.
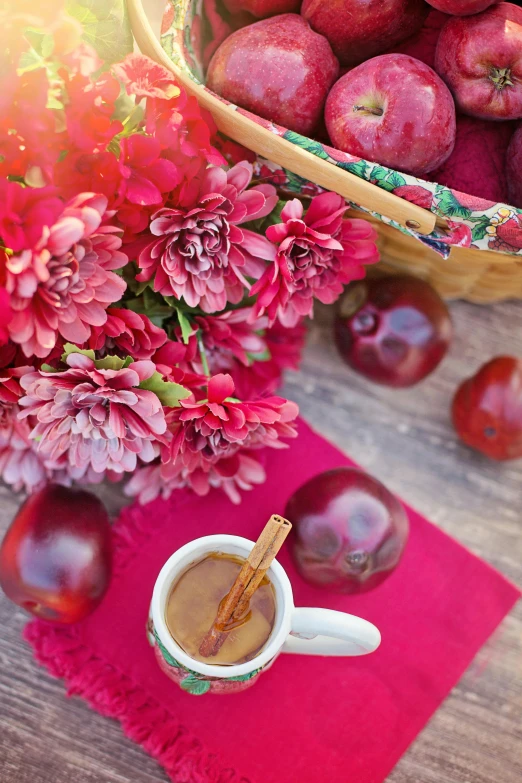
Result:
{"points": [[203, 355], [369, 110]]}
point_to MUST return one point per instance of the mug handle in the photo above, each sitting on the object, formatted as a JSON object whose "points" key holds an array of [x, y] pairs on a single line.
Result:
{"points": [[326, 632]]}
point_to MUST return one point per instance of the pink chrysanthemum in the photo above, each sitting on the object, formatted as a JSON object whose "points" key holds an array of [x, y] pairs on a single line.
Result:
{"points": [[316, 256], [64, 284], [254, 355], [145, 78], [126, 333], [284, 346], [20, 466], [224, 339], [201, 254], [216, 429], [148, 482], [6, 315], [94, 418], [145, 174], [25, 213]]}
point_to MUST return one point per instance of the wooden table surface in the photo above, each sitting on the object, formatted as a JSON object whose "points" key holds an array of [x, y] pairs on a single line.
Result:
{"points": [[405, 439]]}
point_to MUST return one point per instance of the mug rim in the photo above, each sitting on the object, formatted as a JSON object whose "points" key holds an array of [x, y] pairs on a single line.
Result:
{"points": [[199, 547]]}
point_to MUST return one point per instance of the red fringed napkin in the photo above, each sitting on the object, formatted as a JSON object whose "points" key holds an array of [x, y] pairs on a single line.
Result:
{"points": [[307, 719]]}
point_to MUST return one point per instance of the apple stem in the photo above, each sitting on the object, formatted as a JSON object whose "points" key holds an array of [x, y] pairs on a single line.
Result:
{"points": [[501, 77], [369, 110]]}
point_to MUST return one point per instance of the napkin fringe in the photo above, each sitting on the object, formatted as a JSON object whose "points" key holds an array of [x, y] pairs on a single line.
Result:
{"points": [[62, 652]]}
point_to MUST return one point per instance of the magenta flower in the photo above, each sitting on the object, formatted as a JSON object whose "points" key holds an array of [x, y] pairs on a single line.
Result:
{"points": [[6, 315], [63, 285], [25, 213], [145, 175], [145, 78], [126, 333], [20, 466], [201, 254], [10, 389], [231, 335], [90, 417], [284, 346], [316, 256], [148, 482], [216, 429]]}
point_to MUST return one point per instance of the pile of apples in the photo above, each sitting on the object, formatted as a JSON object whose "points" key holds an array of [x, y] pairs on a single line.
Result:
{"points": [[389, 108]]}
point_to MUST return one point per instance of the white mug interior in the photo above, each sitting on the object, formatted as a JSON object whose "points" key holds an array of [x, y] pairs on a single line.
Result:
{"points": [[195, 551]]}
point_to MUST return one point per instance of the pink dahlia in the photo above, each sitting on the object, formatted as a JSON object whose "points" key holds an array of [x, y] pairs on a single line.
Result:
{"points": [[10, 389], [126, 333], [284, 346], [216, 429], [6, 315], [89, 110], [186, 133], [89, 417], [145, 78], [236, 343], [145, 174], [25, 213], [89, 172], [148, 482], [316, 256], [63, 285], [231, 335], [20, 466], [201, 254], [174, 362]]}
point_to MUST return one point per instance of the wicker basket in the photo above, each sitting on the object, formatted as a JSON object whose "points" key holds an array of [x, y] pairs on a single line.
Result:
{"points": [[479, 275]]}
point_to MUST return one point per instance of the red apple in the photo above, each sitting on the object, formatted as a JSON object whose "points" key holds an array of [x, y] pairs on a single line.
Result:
{"points": [[461, 7], [262, 8], [360, 29], [349, 531], [55, 559], [487, 409], [480, 59], [514, 169], [278, 69], [392, 330], [393, 110]]}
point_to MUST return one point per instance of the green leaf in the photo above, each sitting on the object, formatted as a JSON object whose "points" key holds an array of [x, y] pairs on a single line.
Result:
{"points": [[168, 393], [186, 326], [47, 46], [359, 168], [448, 204], [70, 348], [105, 26], [479, 229], [47, 368], [29, 61], [195, 686], [396, 180], [315, 147], [111, 363], [265, 356], [165, 653], [243, 677]]}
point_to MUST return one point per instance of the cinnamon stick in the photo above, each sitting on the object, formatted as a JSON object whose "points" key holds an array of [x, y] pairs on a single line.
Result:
{"points": [[235, 604]]}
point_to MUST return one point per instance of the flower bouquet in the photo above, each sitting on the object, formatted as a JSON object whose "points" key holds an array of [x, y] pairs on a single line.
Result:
{"points": [[153, 281]]}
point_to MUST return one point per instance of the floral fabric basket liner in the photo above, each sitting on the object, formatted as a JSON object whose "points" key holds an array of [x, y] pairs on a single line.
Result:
{"points": [[472, 222]]}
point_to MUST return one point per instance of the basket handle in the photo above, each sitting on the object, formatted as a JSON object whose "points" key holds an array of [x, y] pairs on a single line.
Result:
{"points": [[279, 150]]}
